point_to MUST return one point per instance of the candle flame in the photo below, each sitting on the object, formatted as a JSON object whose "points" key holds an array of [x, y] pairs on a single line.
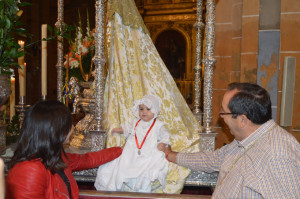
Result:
{"points": [[20, 42]]}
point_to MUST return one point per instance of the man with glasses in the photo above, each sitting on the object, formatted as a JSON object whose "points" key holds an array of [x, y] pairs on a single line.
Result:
{"points": [[263, 161]]}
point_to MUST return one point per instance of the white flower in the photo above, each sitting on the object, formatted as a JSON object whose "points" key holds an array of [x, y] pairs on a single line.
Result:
{"points": [[86, 38], [74, 64], [82, 49], [88, 32], [79, 34]]}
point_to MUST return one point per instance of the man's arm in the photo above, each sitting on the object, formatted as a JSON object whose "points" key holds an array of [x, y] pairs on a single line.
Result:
{"points": [[200, 161]]}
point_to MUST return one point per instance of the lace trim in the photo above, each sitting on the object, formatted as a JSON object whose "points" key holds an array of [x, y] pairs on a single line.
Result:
{"points": [[128, 12]]}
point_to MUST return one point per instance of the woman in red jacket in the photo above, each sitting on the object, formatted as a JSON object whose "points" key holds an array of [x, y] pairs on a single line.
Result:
{"points": [[40, 168]]}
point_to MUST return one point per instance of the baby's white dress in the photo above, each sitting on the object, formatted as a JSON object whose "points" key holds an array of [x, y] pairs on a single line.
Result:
{"points": [[134, 172]]}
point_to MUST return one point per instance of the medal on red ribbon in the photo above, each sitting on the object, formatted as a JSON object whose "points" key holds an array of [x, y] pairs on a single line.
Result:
{"points": [[136, 140]]}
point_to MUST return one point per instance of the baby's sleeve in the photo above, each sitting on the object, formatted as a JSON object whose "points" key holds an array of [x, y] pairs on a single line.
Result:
{"points": [[126, 130], [164, 135]]}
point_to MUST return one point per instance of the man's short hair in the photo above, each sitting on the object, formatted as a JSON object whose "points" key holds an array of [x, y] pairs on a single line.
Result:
{"points": [[251, 100]]}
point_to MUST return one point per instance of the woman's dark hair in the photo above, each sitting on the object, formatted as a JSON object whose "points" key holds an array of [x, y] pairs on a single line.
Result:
{"points": [[251, 100], [44, 130]]}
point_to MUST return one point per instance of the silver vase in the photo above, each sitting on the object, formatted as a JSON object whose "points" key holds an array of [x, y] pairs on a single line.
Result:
{"points": [[4, 95]]}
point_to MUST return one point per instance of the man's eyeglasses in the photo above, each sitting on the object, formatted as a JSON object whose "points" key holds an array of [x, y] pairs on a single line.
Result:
{"points": [[228, 113]]}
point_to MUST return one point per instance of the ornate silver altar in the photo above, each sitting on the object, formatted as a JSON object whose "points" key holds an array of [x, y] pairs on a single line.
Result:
{"points": [[207, 137], [95, 101]]}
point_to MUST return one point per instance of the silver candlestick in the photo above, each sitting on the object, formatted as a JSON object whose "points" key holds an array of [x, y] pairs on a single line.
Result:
{"points": [[198, 65], [98, 134], [21, 108], [44, 97]]}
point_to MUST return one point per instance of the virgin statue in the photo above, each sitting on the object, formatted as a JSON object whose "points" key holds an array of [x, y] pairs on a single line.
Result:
{"points": [[134, 70]]}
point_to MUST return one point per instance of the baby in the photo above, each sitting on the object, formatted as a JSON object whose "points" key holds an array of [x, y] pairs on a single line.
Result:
{"points": [[141, 162]]}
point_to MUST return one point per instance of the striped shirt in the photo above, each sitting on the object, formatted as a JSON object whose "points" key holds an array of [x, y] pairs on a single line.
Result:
{"points": [[264, 165]]}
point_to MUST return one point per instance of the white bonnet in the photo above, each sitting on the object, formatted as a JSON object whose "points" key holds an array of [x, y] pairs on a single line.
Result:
{"points": [[151, 101]]}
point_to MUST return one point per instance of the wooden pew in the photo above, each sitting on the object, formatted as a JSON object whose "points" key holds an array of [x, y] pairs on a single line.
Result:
{"points": [[93, 194]]}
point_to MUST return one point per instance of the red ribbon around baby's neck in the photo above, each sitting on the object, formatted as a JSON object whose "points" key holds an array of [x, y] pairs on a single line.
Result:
{"points": [[136, 141]]}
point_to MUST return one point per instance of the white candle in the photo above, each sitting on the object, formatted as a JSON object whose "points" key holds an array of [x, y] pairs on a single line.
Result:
{"points": [[21, 59], [22, 79], [12, 98], [44, 61], [22, 71]]}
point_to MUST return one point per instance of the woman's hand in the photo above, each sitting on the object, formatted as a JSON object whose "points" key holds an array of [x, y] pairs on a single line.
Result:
{"points": [[117, 130]]}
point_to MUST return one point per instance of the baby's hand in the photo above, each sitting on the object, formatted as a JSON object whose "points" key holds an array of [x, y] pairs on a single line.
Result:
{"points": [[161, 146]]}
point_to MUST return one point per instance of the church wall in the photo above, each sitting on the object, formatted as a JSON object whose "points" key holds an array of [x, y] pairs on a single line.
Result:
{"points": [[228, 68], [249, 43], [236, 50], [290, 46], [268, 49], [262, 35]]}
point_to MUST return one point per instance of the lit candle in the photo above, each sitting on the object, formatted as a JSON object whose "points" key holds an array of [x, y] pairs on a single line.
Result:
{"points": [[21, 59], [44, 61], [22, 79], [22, 71], [12, 98]]}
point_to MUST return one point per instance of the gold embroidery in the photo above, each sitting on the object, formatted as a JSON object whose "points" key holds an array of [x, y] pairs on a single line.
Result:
{"points": [[128, 12]]}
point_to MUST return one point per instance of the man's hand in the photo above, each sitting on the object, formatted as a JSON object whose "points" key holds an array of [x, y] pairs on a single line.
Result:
{"points": [[170, 155]]}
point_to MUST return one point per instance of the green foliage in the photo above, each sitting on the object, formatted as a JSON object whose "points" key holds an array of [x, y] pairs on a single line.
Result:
{"points": [[11, 29], [87, 60]]}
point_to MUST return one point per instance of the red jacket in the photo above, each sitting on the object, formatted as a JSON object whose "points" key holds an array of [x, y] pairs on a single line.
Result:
{"points": [[30, 179]]}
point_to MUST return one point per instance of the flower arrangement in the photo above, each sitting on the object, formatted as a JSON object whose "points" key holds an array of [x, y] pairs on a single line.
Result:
{"points": [[79, 59]]}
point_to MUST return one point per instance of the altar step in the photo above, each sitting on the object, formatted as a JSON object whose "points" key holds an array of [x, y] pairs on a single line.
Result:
{"points": [[93, 194], [187, 190]]}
